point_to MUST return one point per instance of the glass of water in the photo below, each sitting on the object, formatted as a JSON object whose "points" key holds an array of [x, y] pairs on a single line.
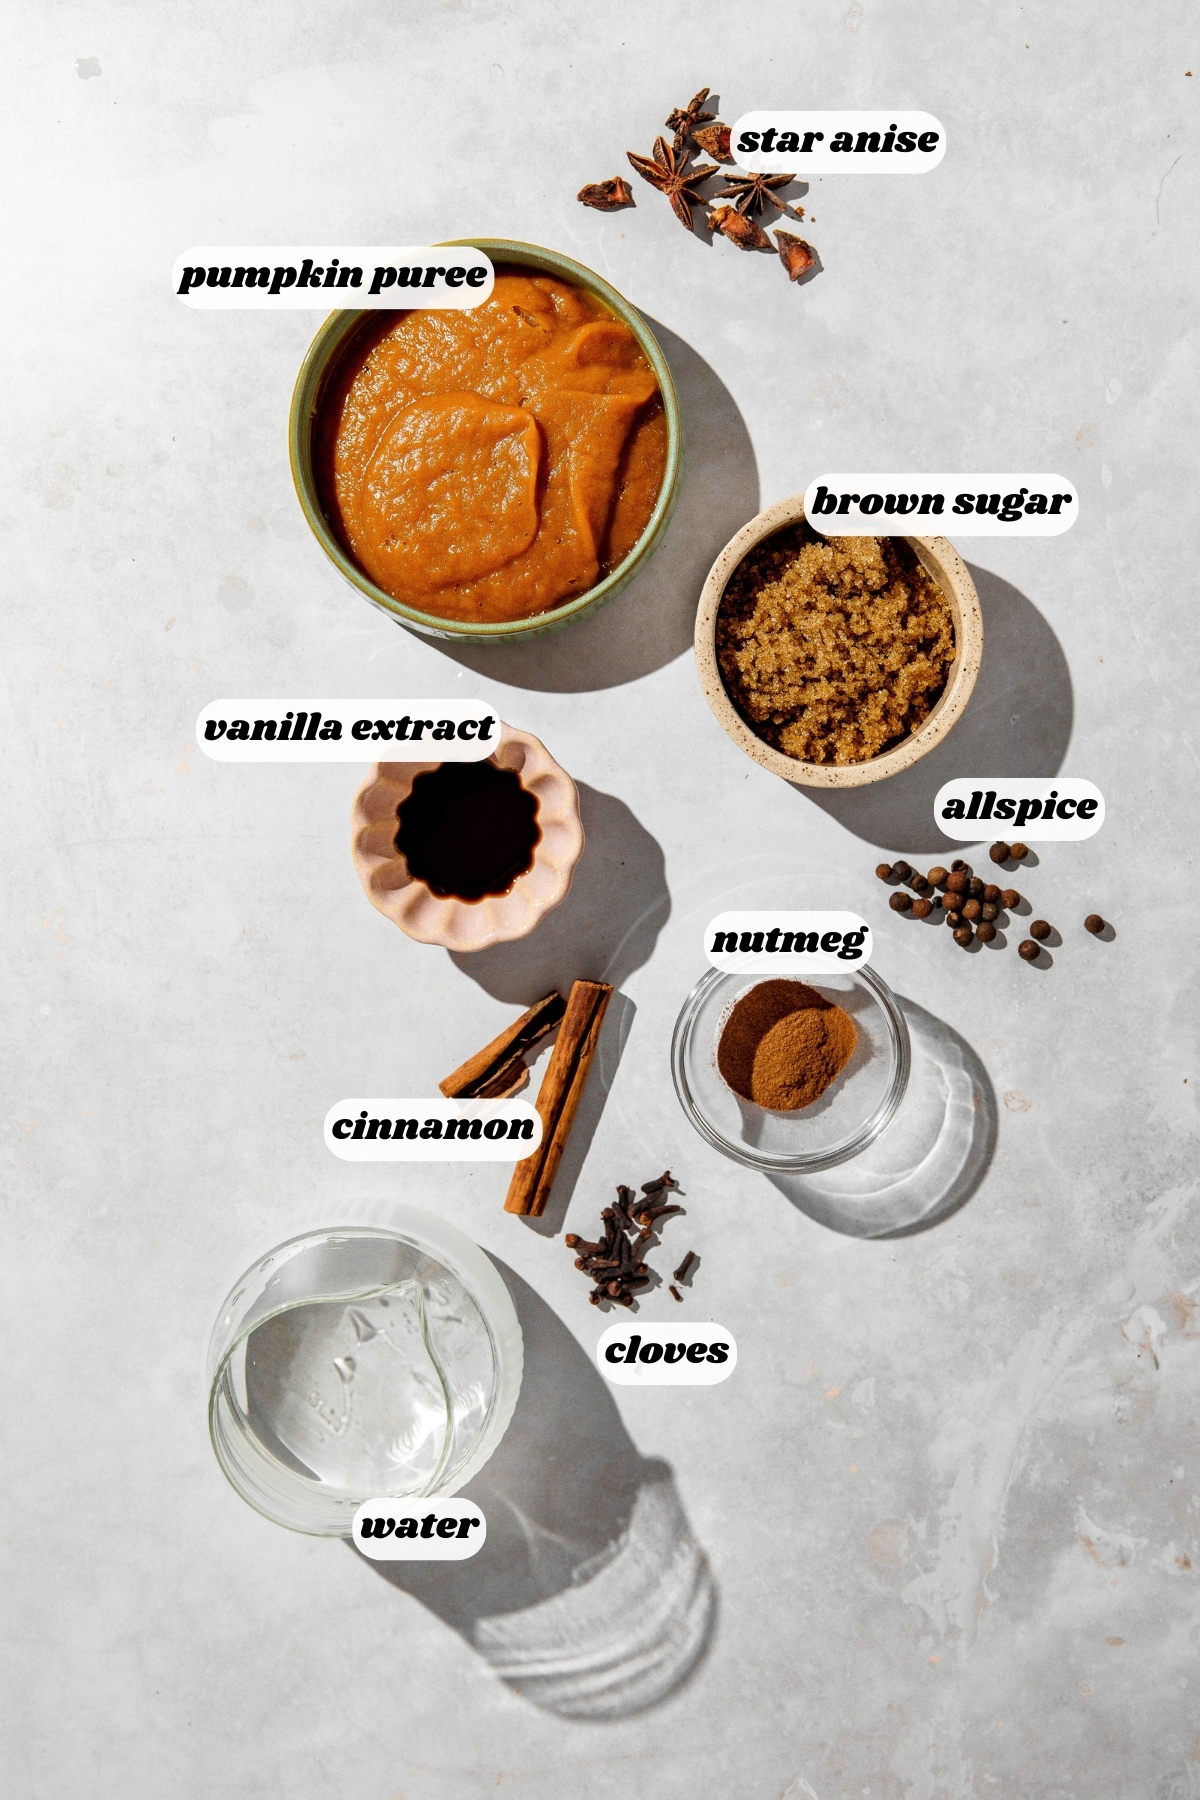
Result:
{"points": [[359, 1363]]}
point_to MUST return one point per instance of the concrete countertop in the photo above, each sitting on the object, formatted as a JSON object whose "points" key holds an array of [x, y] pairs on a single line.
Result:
{"points": [[938, 1536]]}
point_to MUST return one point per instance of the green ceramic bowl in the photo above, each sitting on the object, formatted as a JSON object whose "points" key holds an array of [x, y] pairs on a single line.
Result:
{"points": [[307, 399]]}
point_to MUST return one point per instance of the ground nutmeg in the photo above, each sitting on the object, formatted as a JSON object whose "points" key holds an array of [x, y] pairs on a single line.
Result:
{"points": [[783, 1044]]}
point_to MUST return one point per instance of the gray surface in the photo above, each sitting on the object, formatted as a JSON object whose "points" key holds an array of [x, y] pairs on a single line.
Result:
{"points": [[949, 1501]]}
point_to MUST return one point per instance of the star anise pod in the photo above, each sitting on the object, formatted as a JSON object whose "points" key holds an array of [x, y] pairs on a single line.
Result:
{"points": [[796, 256], [714, 141], [670, 174], [606, 196], [738, 229], [750, 193], [684, 119]]}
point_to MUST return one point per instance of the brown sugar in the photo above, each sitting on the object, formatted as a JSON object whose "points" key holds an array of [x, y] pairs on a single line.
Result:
{"points": [[833, 649], [782, 1045]]}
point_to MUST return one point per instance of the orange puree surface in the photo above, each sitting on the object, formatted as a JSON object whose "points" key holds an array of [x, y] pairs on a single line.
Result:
{"points": [[488, 465]]}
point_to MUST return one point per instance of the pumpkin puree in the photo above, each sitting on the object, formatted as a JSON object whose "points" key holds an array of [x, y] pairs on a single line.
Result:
{"points": [[488, 465]]}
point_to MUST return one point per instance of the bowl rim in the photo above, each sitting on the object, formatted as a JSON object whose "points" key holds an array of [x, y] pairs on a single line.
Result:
{"points": [[463, 910], [770, 1164], [306, 395], [941, 562], [435, 1237]]}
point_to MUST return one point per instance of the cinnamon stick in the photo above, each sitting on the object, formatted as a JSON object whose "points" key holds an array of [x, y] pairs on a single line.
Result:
{"points": [[561, 1091], [498, 1070]]}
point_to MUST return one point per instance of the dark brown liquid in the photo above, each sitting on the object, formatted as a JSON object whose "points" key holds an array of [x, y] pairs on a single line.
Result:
{"points": [[468, 830]]}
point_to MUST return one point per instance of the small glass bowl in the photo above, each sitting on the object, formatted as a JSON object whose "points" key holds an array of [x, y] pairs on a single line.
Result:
{"points": [[849, 1115]]}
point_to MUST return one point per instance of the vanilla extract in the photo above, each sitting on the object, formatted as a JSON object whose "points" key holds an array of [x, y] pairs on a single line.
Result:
{"points": [[468, 830]]}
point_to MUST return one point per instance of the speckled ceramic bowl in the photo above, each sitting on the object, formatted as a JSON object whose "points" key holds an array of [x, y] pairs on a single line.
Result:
{"points": [[320, 367], [459, 924], [941, 561]]}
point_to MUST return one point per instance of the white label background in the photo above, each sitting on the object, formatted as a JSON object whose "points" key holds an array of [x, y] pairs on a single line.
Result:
{"points": [[955, 524], [1032, 830], [441, 1149], [347, 748], [418, 1549], [663, 1373], [322, 299], [821, 160], [790, 962]]}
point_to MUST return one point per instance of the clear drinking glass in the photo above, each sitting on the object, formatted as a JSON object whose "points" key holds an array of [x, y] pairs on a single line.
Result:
{"points": [[361, 1362]]}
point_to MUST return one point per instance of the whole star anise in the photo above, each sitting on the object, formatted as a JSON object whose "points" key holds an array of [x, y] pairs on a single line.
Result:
{"points": [[670, 174], [750, 193], [683, 120]]}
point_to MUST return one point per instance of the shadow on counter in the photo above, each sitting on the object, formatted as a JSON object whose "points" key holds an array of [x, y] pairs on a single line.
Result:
{"points": [[932, 1157], [606, 927], [652, 621], [1018, 723], [591, 1596]]}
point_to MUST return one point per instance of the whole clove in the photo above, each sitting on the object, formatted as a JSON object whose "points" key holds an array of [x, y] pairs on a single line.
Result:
{"points": [[647, 1214], [685, 1265], [665, 1180], [616, 1266]]}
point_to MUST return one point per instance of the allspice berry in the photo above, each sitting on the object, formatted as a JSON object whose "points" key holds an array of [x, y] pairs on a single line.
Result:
{"points": [[958, 883], [999, 853], [1094, 923], [921, 909], [991, 893], [918, 884], [972, 910], [902, 870], [954, 920], [985, 932], [964, 936], [1018, 852], [958, 866], [975, 888], [1010, 898], [937, 877], [988, 912], [1040, 930], [884, 871], [949, 900], [1029, 951], [900, 902]]}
